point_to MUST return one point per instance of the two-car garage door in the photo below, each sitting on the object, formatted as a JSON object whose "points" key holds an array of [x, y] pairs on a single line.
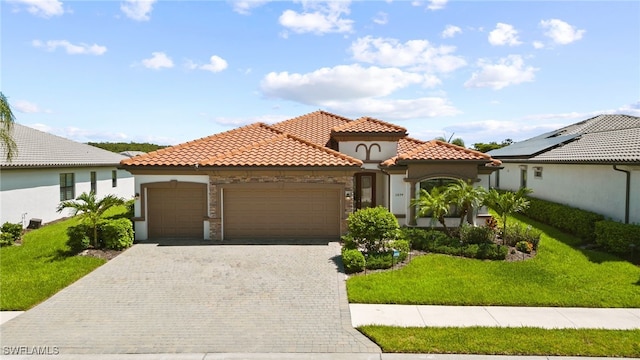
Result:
{"points": [[306, 213], [248, 212]]}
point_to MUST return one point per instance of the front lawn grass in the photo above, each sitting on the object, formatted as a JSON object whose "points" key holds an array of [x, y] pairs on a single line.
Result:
{"points": [[559, 275], [511, 341], [41, 266]]}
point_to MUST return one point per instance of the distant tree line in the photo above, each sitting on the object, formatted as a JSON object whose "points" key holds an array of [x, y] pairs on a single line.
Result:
{"points": [[122, 146]]}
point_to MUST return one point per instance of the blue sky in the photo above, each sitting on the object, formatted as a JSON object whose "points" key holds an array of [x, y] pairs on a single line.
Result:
{"points": [[167, 72]]}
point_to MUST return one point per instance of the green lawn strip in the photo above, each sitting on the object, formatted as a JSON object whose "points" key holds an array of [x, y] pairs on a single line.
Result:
{"points": [[560, 275], [506, 341], [41, 266]]}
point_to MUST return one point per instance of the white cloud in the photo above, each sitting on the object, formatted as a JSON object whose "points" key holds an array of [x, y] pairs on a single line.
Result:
{"points": [[394, 109], [507, 71], [496, 130], [504, 34], [73, 49], [437, 4], [339, 83], [318, 18], [381, 18], [42, 8], [244, 7], [538, 44], [451, 31], [390, 52], [27, 107], [561, 32], [158, 61], [138, 10], [216, 64]]}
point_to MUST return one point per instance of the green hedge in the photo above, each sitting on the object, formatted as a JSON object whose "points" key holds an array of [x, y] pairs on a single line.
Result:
{"points": [[79, 237], [117, 234], [616, 237], [580, 223], [438, 242], [353, 260]]}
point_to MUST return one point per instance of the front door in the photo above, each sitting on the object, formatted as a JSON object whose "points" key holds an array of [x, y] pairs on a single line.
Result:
{"points": [[365, 194]]}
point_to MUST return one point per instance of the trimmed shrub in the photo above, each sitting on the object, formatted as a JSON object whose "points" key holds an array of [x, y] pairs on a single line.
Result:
{"points": [[524, 246], [425, 240], [353, 260], [6, 239], [14, 230], [617, 237], [402, 246], [79, 237], [380, 260], [477, 234], [517, 233], [372, 228], [492, 252], [348, 242], [580, 223], [117, 234], [471, 251]]}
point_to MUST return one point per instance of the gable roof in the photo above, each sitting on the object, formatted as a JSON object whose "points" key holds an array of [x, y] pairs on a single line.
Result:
{"points": [[257, 144], [314, 127], [368, 125], [438, 150], [38, 149], [303, 141], [603, 138]]}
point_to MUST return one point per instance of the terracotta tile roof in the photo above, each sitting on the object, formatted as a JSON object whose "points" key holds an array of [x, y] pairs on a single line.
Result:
{"points": [[369, 125], [252, 145], [314, 127], [439, 150], [407, 144]]}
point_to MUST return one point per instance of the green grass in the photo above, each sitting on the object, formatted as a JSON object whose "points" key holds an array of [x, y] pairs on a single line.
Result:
{"points": [[560, 275], [41, 266], [511, 341]]}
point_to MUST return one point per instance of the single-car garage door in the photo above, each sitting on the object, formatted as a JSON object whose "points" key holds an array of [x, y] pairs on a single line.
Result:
{"points": [[308, 213], [178, 211]]}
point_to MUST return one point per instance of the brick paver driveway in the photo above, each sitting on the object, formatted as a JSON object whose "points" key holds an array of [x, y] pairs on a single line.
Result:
{"points": [[199, 299]]}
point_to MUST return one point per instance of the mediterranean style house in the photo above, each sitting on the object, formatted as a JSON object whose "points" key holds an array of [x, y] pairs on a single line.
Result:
{"points": [[592, 165], [296, 179], [48, 169]]}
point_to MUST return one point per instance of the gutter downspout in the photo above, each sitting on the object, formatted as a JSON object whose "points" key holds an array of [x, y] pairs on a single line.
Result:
{"points": [[628, 193]]}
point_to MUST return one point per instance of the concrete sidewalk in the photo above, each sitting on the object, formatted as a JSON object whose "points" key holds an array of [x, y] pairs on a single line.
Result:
{"points": [[494, 316]]}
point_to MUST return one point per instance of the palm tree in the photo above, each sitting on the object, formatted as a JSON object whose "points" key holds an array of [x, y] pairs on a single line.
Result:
{"points": [[91, 209], [434, 203], [6, 126], [465, 196], [507, 203]]}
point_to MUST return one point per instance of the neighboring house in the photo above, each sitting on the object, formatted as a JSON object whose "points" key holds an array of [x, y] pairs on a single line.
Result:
{"points": [[592, 165], [297, 179], [48, 169]]}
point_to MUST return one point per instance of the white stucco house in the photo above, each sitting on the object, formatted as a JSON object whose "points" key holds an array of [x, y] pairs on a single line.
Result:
{"points": [[592, 165], [48, 169], [296, 179]]}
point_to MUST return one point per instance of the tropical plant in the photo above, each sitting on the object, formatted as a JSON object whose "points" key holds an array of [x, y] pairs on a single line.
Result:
{"points": [[434, 203], [507, 203], [6, 126], [465, 196], [91, 209]]}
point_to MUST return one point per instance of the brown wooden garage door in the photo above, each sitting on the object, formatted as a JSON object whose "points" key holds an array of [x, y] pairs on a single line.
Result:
{"points": [[177, 212], [281, 214]]}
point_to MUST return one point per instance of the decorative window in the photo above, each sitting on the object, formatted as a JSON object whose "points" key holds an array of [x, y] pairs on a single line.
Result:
{"points": [[537, 172], [114, 178], [94, 182], [67, 187]]}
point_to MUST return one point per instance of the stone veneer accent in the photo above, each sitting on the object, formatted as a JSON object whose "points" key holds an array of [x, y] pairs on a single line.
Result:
{"points": [[217, 181]]}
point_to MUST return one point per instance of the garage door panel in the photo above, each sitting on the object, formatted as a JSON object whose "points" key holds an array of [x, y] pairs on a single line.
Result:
{"points": [[298, 214], [176, 212]]}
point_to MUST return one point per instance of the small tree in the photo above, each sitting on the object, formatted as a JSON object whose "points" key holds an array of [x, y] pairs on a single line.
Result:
{"points": [[465, 196], [91, 209], [372, 228], [507, 203], [434, 203]]}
